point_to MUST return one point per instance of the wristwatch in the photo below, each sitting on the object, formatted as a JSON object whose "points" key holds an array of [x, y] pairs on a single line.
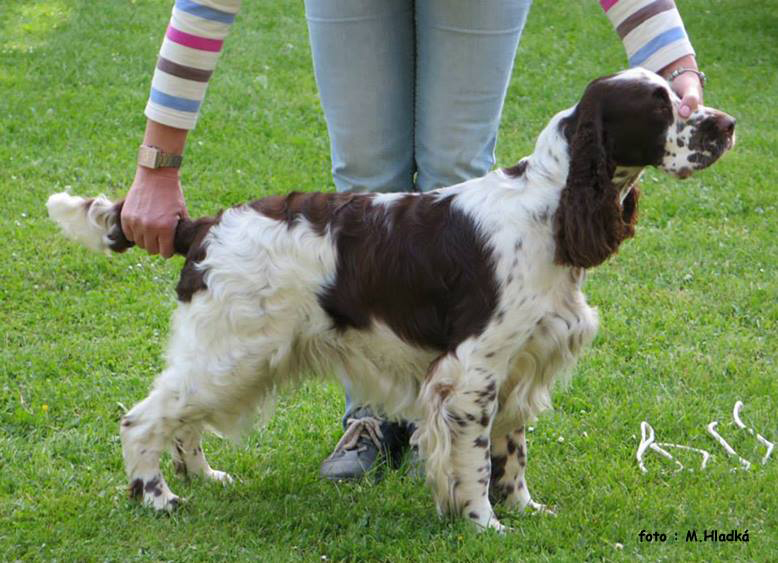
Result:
{"points": [[150, 156]]}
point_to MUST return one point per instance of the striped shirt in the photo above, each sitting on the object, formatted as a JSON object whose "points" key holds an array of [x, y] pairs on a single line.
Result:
{"points": [[651, 30], [189, 53]]}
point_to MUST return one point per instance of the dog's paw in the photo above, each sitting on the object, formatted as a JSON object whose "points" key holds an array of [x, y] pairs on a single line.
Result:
{"points": [[497, 526], [537, 508], [164, 503], [521, 501], [483, 522], [155, 493], [220, 476]]}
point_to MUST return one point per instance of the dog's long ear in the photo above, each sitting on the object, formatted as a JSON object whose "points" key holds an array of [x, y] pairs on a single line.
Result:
{"points": [[590, 222]]}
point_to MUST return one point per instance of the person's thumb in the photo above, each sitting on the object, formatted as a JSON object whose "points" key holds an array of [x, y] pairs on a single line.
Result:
{"points": [[689, 103]]}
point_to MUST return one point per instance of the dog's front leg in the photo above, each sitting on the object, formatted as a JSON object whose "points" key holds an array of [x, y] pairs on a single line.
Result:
{"points": [[454, 438], [188, 456], [509, 464]]}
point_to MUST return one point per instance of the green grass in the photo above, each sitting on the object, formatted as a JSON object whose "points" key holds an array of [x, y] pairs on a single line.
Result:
{"points": [[688, 307]]}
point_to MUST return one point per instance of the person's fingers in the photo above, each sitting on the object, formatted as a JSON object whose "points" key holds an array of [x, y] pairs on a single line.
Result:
{"points": [[698, 96], [152, 243], [156, 239], [166, 244], [689, 88], [143, 238], [127, 228], [689, 103]]}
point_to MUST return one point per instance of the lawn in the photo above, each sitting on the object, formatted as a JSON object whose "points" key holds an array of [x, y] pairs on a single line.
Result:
{"points": [[689, 308]]}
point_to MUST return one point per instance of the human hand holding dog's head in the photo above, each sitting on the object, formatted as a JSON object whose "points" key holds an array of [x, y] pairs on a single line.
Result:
{"points": [[689, 88], [687, 85]]}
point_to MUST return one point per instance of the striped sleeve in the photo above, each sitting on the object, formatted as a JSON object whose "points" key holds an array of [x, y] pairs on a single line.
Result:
{"points": [[651, 30], [190, 50]]}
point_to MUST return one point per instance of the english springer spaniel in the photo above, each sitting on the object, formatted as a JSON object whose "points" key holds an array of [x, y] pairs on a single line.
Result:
{"points": [[457, 309]]}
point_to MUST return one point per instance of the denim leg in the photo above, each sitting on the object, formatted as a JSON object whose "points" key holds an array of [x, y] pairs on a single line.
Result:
{"points": [[465, 53], [363, 59]]}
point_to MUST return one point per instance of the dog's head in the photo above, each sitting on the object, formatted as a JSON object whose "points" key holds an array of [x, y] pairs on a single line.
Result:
{"points": [[622, 124], [636, 115]]}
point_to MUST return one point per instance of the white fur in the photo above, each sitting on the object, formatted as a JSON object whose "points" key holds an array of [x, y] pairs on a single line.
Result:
{"points": [[87, 225], [388, 199], [639, 73]]}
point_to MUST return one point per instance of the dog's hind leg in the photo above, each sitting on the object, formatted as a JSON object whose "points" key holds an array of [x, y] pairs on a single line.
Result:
{"points": [[188, 456]]}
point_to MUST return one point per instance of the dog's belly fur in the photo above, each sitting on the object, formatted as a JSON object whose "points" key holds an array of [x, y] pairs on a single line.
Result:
{"points": [[389, 370]]}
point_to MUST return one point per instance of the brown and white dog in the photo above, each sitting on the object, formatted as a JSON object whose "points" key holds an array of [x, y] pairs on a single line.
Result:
{"points": [[457, 309]]}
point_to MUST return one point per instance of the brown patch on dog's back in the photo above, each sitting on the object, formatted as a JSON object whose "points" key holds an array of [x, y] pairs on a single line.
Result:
{"points": [[418, 264], [319, 209]]}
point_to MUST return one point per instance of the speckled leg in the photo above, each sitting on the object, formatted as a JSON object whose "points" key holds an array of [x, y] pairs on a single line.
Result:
{"points": [[509, 462], [188, 456]]}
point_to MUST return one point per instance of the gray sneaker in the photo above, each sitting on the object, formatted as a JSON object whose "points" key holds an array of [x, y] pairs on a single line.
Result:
{"points": [[357, 450]]}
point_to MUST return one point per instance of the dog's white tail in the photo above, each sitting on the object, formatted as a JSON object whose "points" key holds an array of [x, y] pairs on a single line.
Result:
{"points": [[93, 222], [96, 223]]}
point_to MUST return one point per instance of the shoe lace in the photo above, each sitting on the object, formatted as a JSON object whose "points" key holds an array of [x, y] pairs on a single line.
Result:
{"points": [[358, 428]]}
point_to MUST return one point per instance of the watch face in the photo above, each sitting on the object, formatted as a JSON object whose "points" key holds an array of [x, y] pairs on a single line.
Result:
{"points": [[147, 156]]}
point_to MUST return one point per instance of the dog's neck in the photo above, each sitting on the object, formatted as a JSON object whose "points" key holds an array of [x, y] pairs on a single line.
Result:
{"points": [[550, 161]]}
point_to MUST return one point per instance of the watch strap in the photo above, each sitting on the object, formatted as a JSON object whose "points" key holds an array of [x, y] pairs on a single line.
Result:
{"points": [[154, 157], [167, 160], [679, 71]]}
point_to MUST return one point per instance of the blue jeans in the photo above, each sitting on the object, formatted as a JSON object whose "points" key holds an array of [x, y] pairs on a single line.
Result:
{"points": [[412, 91]]}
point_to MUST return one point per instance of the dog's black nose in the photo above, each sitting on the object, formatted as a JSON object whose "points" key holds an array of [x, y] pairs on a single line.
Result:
{"points": [[726, 124]]}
